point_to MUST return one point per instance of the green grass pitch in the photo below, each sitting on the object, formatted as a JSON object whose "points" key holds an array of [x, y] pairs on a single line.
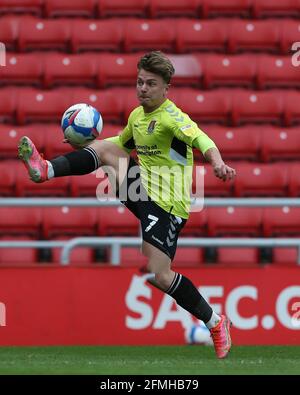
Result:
{"points": [[149, 360]]}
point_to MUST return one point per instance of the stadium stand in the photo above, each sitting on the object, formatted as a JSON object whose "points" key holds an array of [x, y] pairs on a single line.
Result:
{"points": [[170, 8], [13, 257], [114, 221], [245, 257], [67, 221], [8, 178], [234, 221], [43, 34], [146, 34], [261, 180], [61, 69], [65, 8], [281, 221], [196, 35], [97, 35], [21, 7], [22, 69], [120, 8], [234, 77], [270, 8], [24, 221]]}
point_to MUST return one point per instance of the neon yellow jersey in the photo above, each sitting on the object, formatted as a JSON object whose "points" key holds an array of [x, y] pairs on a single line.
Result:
{"points": [[163, 140]]}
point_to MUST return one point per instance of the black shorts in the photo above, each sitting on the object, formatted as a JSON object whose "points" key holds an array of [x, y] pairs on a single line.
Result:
{"points": [[159, 228]]}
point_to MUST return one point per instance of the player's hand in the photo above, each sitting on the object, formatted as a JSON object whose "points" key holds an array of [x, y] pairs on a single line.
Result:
{"points": [[224, 172]]}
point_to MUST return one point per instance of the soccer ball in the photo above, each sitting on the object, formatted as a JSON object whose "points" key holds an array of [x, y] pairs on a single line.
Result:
{"points": [[81, 124], [198, 333]]}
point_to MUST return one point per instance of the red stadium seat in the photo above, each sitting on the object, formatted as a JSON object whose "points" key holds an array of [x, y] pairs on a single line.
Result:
{"points": [[107, 8], [109, 102], [291, 107], [251, 35], [196, 224], [54, 145], [80, 256], [60, 8], [227, 8], [132, 257], [44, 34], [10, 136], [163, 8], [42, 106], [213, 186], [240, 143], [281, 221], [117, 221], [294, 179], [21, 7], [238, 257], [8, 104], [9, 31], [130, 103], [256, 107], [187, 70], [69, 221], [17, 256], [289, 29], [22, 69], [8, 178], [146, 34], [280, 143], [285, 256], [97, 35], [62, 69], [20, 221], [261, 180], [195, 35], [26, 188], [271, 8], [234, 221], [205, 106], [276, 72], [85, 185], [223, 70], [111, 130], [188, 257], [117, 69]]}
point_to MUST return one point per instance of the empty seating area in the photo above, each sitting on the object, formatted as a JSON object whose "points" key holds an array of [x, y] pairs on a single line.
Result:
{"points": [[237, 75], [62, 223]]}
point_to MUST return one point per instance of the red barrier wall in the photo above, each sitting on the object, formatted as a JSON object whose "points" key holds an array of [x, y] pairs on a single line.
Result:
{"points": [[60, 306]]}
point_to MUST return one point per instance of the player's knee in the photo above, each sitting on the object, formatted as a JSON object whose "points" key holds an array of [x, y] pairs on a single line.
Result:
{"points": [[99, 147], [163, 280]]}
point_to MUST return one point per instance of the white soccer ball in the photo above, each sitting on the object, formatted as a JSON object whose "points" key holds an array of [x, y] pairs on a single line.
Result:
{"points": [[81, 124], [198, 333]]}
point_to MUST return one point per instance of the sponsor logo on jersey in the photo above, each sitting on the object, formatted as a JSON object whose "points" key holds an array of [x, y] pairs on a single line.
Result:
{"points": [[151, 127]]}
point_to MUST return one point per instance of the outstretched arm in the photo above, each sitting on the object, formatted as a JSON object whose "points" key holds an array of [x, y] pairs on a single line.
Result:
{"points": [[221, 170], [213, 156]]}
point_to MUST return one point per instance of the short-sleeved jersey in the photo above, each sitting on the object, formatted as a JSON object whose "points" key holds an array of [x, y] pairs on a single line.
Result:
{"points": [[163, 140]]}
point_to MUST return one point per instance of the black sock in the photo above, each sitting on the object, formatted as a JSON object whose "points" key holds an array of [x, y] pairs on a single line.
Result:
{"points": [[188, 297], [79, 162]]}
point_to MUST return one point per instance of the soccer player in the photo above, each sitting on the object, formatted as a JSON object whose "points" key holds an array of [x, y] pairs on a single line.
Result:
{"points": [[163, 137]]}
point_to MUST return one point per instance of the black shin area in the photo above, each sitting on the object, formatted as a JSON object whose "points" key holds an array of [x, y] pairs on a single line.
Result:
{"points": [[79, 162], [188, 297]]}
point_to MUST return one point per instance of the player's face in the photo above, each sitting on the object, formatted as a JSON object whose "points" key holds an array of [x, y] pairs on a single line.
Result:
{"points": [[151, 90]]}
